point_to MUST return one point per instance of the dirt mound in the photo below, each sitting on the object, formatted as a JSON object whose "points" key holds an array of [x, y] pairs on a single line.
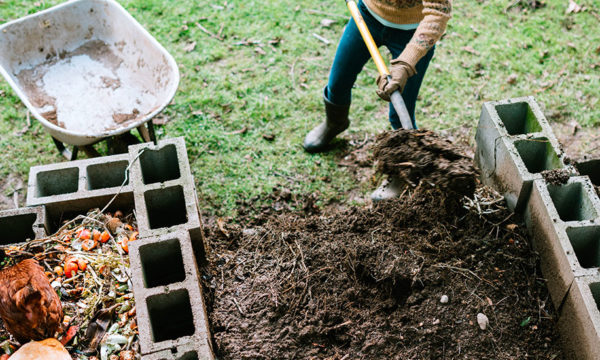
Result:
{"points": [[422, 157], [367, 283], [556, 176]]}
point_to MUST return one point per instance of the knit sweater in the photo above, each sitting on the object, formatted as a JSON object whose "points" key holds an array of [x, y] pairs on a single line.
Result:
{"points": [[432, 16]]}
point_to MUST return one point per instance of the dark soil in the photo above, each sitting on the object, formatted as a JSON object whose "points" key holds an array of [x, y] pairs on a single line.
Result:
{"points": [[556, 176], [366, 283], [422, 157]]}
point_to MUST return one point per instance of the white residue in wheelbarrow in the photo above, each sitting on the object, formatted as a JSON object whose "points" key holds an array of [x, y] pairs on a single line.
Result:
{"points": [[87, 90]]}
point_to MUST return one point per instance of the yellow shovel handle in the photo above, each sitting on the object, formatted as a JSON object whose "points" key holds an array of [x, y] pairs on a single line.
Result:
{"points": [[395, 98], [368, 39]]}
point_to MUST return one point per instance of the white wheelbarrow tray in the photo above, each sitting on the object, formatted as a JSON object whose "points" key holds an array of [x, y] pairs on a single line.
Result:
{"points": [[87, 70]]}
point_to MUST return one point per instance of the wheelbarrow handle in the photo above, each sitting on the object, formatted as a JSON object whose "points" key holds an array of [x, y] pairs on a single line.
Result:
{"points": [[396, 97]]}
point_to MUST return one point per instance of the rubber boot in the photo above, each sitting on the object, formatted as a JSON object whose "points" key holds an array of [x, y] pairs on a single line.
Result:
{"points": [[336, 121], [390, 188]]}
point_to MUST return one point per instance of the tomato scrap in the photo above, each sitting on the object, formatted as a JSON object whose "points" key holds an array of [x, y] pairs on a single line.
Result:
{"points": [[104, 237], [71, 332], [133, 236], [96, 235], [71, 268], [82, 264], [124, 244], [89, 244], [84, 234]]}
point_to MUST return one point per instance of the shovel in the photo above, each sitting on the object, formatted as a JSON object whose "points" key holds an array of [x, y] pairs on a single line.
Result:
{"points": [[396, 97]]}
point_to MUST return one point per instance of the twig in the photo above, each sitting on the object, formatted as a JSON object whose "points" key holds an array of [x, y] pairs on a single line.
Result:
{"points": [[124, 181], [462, 270], [292, 74], [322, 39], [204, 30], [238, 307]]}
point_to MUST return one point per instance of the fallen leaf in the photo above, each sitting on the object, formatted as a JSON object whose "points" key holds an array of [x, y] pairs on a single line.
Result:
{"points": [[160, 120], [511, 227], [240, 131], [221, 225], [274, 42], [573, 7], [512, 79], [190, 47], [597, 53], [327, 22], [470, 50], [269, 137], [489, 301], [260, 51]]}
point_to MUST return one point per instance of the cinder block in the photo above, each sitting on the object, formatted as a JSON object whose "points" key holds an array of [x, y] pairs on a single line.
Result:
{"points": [[69, 188], [164, 162], [562, 220], [164, 190], [512, 117], [184, 352], [167, 289], [518, 162], [579, 319], [20, 225], [515, 144], [590, 168]]}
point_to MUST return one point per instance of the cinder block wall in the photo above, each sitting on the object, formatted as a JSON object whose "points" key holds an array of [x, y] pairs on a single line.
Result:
{"points": [[515, 144], [157, 182]]}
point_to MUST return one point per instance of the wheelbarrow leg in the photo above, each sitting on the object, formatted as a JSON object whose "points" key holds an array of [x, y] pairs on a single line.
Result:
{"points": [[69, 154], [148, 133], [90, 151]]}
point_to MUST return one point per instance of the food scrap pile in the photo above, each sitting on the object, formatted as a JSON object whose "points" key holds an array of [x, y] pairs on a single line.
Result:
{"points": [[87, 264]]}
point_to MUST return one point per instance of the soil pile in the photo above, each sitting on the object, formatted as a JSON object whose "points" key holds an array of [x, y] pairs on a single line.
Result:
{"points": [[421, 157], [367, 284], [556, 176]]}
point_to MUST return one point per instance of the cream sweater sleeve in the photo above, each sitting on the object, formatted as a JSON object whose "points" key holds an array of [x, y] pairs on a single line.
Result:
{"points": [[436, 14]]}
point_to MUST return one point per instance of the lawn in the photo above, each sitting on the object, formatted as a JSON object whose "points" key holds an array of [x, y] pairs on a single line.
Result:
{"points": [[252, 74]]}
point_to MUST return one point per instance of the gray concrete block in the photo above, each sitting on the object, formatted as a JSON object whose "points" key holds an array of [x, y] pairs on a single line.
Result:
{"points": [[20, 225], [200, 351], [523, 117], [518, 162], [579, 319], [168, 293], [515, 144], [562, 221], [164, 162], [164, 190], [70, 188], [590, 168]]}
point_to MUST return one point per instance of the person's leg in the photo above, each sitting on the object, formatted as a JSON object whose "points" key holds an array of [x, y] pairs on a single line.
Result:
{"points": [[413, 85], [350, 58]]}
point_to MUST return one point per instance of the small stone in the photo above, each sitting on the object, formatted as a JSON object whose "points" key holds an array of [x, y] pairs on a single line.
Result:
{"points": [[483, 321], [444, 299]]}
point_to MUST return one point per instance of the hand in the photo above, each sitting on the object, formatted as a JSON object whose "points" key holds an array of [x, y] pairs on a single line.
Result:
{"points": [[400, 72]]}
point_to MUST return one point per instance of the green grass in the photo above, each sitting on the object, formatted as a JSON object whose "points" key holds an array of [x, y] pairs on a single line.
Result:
{"points": [[226, 86]]}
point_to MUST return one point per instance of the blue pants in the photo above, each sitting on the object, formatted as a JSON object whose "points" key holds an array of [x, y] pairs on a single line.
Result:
{"points": [[352, 55]]}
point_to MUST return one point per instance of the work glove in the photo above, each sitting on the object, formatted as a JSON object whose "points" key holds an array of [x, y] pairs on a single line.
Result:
{"points": [[400, 72]]}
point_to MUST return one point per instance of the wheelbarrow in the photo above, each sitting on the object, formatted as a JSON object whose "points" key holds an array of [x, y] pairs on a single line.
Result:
{"points": [[88, 71]]}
